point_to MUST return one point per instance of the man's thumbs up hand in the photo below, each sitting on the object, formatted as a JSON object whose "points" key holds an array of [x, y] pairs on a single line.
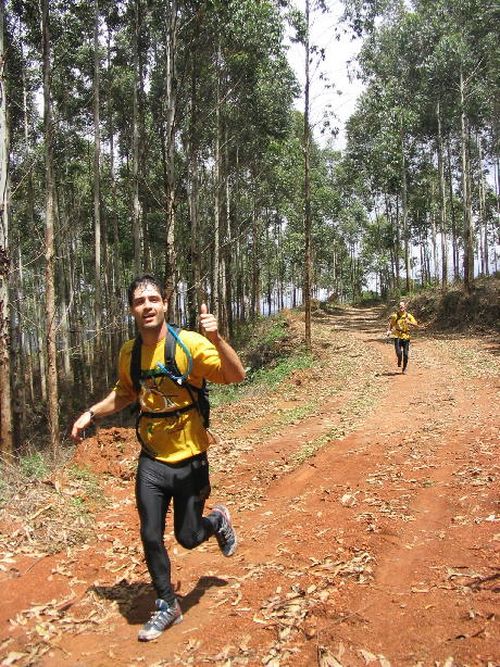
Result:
{"points": [[208, 323]]}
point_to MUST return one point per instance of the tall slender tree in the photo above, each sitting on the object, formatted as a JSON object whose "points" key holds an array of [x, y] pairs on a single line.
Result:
{"points": [[6, 425], [50, 295]]}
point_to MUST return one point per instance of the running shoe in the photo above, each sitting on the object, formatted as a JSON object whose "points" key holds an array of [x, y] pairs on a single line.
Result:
{"points": [[226, 535], [160, 620]]}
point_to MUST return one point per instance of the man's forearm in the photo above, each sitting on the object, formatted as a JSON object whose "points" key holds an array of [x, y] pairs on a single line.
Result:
{"points": [[231, 366], [112, 403]]}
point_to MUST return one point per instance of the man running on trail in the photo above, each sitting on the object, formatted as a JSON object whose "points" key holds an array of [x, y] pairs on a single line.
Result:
{"points": [[173, 462], [399, 326]]}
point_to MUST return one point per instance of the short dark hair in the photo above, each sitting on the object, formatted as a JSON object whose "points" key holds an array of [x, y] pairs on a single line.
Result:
{"points": [[140, 281]]}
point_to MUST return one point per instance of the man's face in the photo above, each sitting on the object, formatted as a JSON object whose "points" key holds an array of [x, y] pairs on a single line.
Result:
{"points": [[148, 308], [402, 306]]}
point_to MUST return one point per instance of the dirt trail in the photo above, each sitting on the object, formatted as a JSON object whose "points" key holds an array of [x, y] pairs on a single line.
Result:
{"points": [[366, 504]]}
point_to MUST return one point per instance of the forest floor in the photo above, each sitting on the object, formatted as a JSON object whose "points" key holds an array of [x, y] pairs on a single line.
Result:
{"points": [[366, 505]]}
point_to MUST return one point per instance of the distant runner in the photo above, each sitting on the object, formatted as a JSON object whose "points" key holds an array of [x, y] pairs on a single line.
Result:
{"points": [[164, 369], [399, 326]]}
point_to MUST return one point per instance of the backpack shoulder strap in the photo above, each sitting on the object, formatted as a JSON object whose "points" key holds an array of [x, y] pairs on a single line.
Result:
{"points": [[171, 338], [135, 364]]}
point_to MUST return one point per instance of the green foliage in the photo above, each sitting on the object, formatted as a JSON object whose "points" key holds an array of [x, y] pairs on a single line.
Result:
{"points": [[34, 466], [261, 380], [271, 376]]}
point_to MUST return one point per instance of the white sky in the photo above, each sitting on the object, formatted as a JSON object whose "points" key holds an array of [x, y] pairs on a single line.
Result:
{"points": [[338, 52]]}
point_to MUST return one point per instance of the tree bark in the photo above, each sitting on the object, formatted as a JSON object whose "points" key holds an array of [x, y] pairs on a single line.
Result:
{"points": [[307, 190], [50, 297], [97, 184], [6, 420], [483, 217], [404, 206], [136, 204], [194, 296], [170, 101], [466, 193], [442, 191], [216, 261]]}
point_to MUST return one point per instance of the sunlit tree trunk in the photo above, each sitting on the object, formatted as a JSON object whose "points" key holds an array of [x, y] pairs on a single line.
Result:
{"points": [[442, 191], [6, 421], [483, 218], [228, 259], [97, 183], [454, 232], [404, 207], [466, 193], [256, 259], [216, 267], [194, 296], [170, 101], [116, 278], [50, 297], [136, 148], [307, 189], [22, 380]]}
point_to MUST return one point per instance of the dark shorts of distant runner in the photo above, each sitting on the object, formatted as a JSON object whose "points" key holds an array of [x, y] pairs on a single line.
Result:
{"points": [[402, 348]]}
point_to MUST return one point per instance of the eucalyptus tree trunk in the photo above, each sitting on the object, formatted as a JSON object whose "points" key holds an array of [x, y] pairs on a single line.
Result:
{"points": [[404, 207], [6, 420], [116, 278], [228, 260], [65, 297], [194, 296], [50, 297], [97, 183], [454, 231], [307, 188], [393, 220], [433, 226], [483, 218], [23, 373], [136, 205], [170, 104], [466, 192], [256, 264], [216, 256], [442, 191], [497, 200], [24, 352]]}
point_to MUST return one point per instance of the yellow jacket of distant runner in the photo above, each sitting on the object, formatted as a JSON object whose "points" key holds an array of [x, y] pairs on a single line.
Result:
{"points": [[399, 324], [171, 439]]}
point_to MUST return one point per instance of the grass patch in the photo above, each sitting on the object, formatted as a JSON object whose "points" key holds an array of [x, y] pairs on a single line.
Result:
{"points": [[260, 380], [34, 466]]}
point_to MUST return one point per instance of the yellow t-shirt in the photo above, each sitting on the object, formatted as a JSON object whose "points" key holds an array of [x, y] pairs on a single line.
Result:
{"points": [[399, 324], [171, 439]]}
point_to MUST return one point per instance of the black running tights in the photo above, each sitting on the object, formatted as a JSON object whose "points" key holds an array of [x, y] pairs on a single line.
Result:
{"points": [[187, 485]]}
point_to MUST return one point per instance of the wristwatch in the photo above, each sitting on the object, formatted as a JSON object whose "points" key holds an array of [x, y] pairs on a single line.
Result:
{"points": [[92, 414]]}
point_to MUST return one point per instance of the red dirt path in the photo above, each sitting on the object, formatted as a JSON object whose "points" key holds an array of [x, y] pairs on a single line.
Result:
{"points": [[366, 504]]}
